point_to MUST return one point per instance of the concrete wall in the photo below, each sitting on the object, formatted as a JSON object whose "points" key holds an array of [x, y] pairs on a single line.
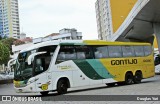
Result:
{"points": [[120, 10]]}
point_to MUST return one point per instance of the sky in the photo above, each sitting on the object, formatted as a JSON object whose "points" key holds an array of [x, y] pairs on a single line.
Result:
{"points": [[39, 18]]}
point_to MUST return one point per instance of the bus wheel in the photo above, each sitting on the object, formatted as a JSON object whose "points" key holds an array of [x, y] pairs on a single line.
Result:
{"points": [[44, 93], [62, 87], [110, 84], [128, 78], [137, 77], [120, 83]]}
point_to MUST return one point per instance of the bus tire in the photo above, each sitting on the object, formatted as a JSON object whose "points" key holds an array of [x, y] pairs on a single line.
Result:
{"points": [[110, 84], [128, 78], [120, 83], [44, 93], [62, 87], [137, 77]]}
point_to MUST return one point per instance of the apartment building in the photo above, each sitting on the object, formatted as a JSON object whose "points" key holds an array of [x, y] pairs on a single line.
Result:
{"points": [[110, 14], [9, 19]]}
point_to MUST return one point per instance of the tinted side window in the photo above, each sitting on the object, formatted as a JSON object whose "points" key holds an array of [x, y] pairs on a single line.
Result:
{"points": [[147, 50], [139, 51], [128, 51], [115, 51], [100, 52], [66, 53], [84, 52]]}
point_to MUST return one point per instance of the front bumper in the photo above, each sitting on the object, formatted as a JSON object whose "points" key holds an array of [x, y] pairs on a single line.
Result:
{"points": [[27, 89]]}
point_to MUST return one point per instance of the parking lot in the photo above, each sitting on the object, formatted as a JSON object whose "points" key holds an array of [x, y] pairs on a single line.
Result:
{"points": [[149, 86]]}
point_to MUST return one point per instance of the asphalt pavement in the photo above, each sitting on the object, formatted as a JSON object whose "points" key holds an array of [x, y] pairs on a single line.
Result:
{"points": [[150, 86]]}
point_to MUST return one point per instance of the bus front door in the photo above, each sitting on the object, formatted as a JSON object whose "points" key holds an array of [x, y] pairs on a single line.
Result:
{"points": [[43, 82]]}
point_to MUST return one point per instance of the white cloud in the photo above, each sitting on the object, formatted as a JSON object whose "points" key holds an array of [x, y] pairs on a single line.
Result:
{"points": [[42, 17]]}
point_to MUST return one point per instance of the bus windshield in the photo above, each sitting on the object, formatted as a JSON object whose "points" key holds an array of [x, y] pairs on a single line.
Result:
{"points": [[23, 71]]}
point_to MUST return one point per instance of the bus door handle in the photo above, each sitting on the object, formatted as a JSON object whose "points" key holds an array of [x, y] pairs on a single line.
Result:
{"points": [[38, 83]]}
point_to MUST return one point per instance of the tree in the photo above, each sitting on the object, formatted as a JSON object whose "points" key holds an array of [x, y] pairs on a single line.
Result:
{"points": [[4, 53], [8, 42], [0, 37]]}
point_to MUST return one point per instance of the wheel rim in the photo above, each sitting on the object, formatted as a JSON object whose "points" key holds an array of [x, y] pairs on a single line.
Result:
{"points": [[63, 87], [129, 80]]}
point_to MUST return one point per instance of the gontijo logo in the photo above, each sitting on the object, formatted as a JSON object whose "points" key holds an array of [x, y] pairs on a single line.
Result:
{"points": [[124, 62]]}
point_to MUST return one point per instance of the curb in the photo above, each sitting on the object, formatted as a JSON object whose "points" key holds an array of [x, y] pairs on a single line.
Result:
{"points": [[6, 81]]}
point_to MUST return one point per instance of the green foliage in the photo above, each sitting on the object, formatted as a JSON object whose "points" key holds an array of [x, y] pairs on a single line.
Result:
{"points": [[8, 42], [6, 48], [0, 37], [4, 53], [5, 37]]}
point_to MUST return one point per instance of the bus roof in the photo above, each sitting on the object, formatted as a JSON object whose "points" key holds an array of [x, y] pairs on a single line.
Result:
{"points": [[102, 42], [81, 42]]}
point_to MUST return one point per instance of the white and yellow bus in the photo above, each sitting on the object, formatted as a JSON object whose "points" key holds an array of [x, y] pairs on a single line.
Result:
{"points": [[62, 64]]}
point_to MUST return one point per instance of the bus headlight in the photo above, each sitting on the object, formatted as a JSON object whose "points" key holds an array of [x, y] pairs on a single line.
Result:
{"points": [[32, 80]]}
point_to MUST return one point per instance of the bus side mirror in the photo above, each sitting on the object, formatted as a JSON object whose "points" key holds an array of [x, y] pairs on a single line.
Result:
{"points": [[11, 62], [31, 57]]}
